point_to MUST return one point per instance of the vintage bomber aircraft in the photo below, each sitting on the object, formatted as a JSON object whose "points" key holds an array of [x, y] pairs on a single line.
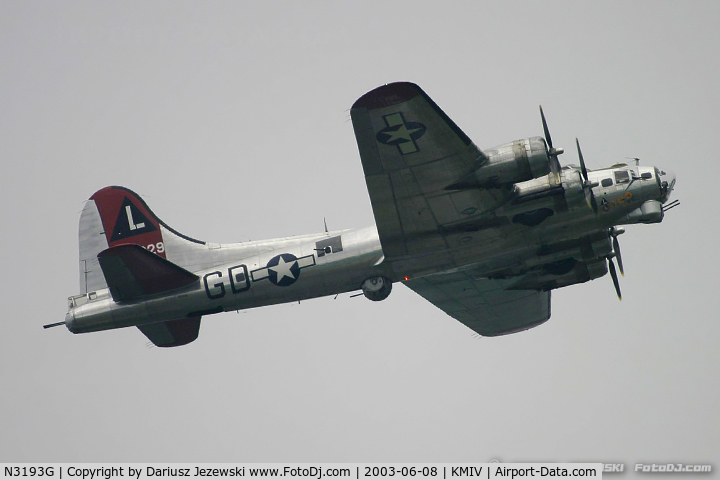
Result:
{"points": [[483, 235]]}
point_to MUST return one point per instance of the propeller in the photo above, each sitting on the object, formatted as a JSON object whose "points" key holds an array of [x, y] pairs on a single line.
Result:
{"points": [[614, 232], [587, 184], [552, 152], [613, 274]]}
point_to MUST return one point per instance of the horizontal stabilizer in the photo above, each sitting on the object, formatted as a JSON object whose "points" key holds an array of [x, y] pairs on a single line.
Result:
{"points": [[173, 333], [132, 272]]}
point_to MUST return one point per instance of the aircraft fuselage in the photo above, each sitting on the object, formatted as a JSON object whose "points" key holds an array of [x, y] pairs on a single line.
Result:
{"points": [[253, 274]]}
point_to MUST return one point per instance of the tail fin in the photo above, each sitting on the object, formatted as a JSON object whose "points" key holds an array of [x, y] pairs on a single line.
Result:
{"points": [[118, 216]]}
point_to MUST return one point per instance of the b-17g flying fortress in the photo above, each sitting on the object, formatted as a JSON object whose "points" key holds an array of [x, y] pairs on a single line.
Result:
{"points": [[484, 235]]}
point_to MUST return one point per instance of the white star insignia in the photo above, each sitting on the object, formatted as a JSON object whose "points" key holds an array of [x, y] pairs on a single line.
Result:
{"points": [[282, 269], [401, 133]]}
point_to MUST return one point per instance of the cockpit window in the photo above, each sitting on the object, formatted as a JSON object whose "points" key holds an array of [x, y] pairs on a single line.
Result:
{"points": [[622, 176], [607, 182]]}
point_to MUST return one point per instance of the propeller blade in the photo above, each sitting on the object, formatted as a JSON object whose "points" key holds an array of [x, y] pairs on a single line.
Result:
{"points": [[616, 248], [613, 274], [552, 152], [545, 129], [587, 186], [590, 200], [582, 161]]}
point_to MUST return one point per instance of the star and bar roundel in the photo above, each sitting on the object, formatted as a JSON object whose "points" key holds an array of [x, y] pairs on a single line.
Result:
{"points": [[400, 133], [284, 269]]}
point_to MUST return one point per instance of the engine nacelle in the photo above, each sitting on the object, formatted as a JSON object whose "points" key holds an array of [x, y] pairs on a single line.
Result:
{"points": [[376, 288], [592, 247], [563, 273], [513, 162], [583, 272]]}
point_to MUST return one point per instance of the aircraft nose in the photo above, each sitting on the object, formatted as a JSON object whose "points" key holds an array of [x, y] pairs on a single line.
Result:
{"points": [[666, 179]]}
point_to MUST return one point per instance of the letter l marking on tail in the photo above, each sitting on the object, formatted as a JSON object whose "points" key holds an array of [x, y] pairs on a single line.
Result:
{"points": [[130, 219]]}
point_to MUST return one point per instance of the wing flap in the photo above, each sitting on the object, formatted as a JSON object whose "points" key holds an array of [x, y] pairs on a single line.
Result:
{"points": [[484, 305], [132, 272]]}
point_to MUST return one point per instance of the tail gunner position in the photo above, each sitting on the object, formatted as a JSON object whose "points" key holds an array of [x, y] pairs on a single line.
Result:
{"points": [[484, 235]]}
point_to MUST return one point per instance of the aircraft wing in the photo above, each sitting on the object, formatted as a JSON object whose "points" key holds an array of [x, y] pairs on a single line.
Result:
{"points": [[482, 304], [413, 157], [411, 151]]}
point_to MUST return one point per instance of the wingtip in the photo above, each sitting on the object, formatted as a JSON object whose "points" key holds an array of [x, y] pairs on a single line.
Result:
{"points": [[387, 95]]}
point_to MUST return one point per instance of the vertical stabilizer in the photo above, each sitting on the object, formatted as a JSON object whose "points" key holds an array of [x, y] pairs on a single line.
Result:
{"points": [[116, 216]]}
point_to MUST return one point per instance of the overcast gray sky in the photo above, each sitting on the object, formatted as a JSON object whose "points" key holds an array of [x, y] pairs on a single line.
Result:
{"points": [[232, 120]]}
